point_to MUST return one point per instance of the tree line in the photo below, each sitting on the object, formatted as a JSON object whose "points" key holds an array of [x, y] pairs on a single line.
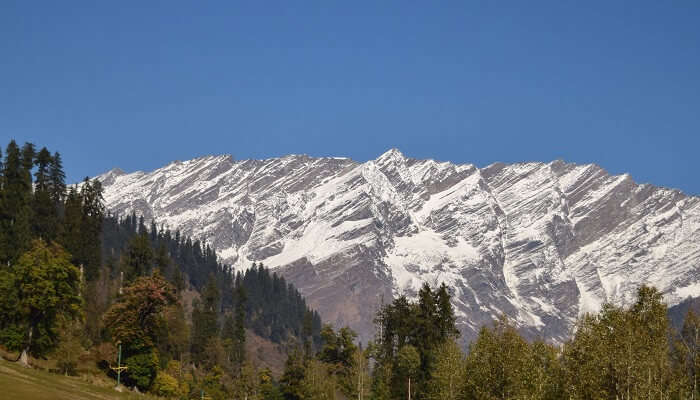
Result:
{"points": [[618, 353]]}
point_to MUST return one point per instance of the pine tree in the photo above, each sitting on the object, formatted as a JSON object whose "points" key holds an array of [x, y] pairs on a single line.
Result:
{"points": [[227, 335], [204, 320], [161, 259], [446, 316], [176, 331], [16, 212], [28, 155], [45, 216], [427, 335], [306, 332], [339, 352], [93, 213], [57, 179], [138, 258], [41, 176], [71, 233], [381, 382], [239, 325], [3, 238], [427, 320], [293, 377]]}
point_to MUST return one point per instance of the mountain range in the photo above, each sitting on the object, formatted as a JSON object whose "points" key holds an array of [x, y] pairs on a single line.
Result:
{"points": [[539, 242]]}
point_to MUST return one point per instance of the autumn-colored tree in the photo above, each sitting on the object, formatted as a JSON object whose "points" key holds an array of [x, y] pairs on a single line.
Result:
{"points": [[134, 318]]}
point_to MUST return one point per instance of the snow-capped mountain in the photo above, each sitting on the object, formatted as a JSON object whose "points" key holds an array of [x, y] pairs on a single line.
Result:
{"points": [[540, 242]]}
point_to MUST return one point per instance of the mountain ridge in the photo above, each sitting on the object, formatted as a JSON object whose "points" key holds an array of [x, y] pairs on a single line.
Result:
{"points": [[540, 242]]}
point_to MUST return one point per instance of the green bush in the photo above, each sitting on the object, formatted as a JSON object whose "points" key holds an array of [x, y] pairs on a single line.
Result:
{"points": [[142, 370], [165, 385]]}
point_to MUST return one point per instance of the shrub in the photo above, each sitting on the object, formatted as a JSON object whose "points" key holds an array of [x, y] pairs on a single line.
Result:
{"points": [[165, 385], [142, 370]]}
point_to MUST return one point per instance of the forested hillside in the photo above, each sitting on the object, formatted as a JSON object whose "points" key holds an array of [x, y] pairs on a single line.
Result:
{"points": [[274, 309], [76, 282]]}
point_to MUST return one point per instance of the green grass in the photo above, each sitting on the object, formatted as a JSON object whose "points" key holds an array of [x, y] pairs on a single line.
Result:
{"points": [[21, 383]]}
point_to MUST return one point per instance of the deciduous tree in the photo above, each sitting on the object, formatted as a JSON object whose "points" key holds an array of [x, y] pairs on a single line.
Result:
{"points": [[41, 287]]}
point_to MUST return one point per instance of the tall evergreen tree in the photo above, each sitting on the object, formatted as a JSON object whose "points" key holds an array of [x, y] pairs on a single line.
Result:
{"points": [[41, 176], [57, 179], [446, 321], [45, 216], [138, 258], [71, 233], [3, 235], [204, 320], [292, 380], [239, 325], [338, 352], [93, 213], [15, 215], [28, 155]]}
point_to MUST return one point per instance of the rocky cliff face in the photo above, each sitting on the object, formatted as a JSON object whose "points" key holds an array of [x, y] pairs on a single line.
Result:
{"points": [[540, 242]]}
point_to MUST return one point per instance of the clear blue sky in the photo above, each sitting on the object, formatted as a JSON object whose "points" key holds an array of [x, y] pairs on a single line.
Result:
{"points": [[139, 84]]}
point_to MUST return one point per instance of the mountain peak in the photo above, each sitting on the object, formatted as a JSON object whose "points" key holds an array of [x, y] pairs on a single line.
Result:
{"points": [[116, 171], [391, 154]]}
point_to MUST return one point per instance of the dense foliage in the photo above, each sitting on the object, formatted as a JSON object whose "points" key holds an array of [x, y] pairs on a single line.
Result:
{"points": [[37, 290], [619, 353]]}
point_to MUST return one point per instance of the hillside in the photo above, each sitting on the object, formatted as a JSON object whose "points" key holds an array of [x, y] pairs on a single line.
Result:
{"points": [[20, 383]]}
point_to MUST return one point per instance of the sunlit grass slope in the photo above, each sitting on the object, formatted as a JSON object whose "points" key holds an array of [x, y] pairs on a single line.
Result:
{"points": [[20, 383]]}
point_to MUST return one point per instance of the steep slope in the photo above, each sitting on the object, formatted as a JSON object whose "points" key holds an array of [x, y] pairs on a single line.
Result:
{"points": [[540, 242]]}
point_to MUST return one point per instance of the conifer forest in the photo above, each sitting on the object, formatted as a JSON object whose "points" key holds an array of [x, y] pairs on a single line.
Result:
{"points": [[85, 291]]}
